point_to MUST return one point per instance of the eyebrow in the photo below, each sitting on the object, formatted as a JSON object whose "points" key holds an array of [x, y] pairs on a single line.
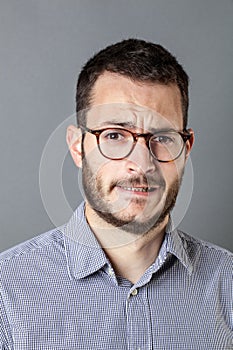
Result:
{"points": [[130, 125]]}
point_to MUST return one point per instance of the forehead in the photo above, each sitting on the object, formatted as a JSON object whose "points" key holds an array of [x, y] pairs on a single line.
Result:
{"points": [[127, 115], [116, 98]]}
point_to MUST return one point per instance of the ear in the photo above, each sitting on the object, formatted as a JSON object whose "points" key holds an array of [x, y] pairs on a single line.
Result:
{"points": [[189, 143], [74, 141]]}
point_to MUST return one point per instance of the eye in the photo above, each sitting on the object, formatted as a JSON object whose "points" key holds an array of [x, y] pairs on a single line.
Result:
{"points": [[163, 139], [113, 135]]}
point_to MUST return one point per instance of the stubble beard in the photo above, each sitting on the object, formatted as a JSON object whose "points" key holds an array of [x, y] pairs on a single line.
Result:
{"points": [[95, 194]]}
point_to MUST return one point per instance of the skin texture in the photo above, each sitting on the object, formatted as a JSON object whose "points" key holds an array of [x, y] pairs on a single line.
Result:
{"points": [[129, 224]]}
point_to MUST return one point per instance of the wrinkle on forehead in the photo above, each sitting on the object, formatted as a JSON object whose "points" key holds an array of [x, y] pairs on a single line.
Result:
{"points": [[126, 115], [111, 88]]}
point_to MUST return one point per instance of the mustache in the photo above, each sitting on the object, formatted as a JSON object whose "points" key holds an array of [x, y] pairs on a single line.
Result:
{"points": [[140, 181]]}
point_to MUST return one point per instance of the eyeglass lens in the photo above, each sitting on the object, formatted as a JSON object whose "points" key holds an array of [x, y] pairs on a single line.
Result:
{"points": [[118, 143]]}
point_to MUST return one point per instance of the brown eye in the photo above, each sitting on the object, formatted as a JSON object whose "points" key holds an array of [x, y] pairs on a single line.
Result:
{"points": [[113, 136]]}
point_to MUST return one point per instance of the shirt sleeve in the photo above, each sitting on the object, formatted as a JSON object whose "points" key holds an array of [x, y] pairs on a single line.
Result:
{"points": [[5, 333]]}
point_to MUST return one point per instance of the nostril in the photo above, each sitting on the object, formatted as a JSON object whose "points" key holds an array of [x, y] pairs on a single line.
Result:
{"points": [[133, 167]]}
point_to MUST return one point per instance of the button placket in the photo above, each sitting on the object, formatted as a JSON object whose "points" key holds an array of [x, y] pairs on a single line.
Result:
{"points": [[138, 320]]}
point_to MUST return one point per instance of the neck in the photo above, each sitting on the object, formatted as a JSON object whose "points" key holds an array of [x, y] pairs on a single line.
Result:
{"points": [[129, 254]]}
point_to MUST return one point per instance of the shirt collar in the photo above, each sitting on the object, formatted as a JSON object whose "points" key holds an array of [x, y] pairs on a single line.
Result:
{"points": [[83, 252], [85, 255], [177, 246]]}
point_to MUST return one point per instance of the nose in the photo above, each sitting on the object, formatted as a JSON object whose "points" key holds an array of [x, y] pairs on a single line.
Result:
{"points": [[141, 159]]}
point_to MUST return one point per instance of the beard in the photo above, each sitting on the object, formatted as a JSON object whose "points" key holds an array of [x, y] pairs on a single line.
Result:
{"points": [[95, 193]]}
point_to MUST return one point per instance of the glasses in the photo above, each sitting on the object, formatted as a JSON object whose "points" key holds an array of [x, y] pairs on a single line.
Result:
{"points": [[117, 143]]}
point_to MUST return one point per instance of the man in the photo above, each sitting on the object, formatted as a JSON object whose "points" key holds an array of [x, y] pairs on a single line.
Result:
{"points": [[119, 275]]}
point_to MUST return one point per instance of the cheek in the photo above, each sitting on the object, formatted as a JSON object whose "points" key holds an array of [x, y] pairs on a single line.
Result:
{"points": [[102, 167], [108, 172], [94, 159], [172, 171], [90, 147]]}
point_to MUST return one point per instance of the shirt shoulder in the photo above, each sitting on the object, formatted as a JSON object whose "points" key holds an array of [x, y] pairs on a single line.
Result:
{"points": [[22, 267], [206, 253], [39, 243]]}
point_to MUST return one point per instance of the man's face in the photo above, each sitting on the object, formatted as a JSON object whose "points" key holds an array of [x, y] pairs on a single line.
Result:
{"points": [[135, 193]]}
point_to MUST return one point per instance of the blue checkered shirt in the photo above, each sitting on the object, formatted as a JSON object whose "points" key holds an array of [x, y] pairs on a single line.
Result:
{"points": [[59, 291]]}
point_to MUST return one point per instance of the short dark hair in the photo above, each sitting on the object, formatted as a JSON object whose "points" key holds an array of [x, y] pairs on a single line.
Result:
{"points": [[139, 61]]}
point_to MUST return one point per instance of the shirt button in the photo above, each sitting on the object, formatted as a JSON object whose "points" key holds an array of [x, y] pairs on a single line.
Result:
{"points": [[134, 292], [110, 271]]}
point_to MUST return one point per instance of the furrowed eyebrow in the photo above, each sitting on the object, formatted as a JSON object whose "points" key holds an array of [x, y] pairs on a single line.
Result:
{"points": [[126, 125], [155, 131], [130, 125]]}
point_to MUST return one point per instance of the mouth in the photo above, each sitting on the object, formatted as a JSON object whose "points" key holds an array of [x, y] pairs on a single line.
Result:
{"points": [[138, 189], [141, 191]]}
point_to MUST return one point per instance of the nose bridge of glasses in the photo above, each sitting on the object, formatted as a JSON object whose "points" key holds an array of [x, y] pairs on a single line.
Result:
{"points": [[145, 138], [141, 147]]}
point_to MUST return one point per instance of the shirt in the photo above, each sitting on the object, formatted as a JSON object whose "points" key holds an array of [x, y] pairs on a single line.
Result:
{"points": [[59, 291]]}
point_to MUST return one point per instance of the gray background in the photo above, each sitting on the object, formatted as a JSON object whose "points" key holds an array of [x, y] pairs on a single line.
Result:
{"points": [[43, 46]]}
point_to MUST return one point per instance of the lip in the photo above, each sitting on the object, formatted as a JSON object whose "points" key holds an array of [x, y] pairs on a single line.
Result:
{"points": [[138, 190]]}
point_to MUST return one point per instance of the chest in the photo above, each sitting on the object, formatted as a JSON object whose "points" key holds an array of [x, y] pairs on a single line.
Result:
{"points": [[95, 313]]}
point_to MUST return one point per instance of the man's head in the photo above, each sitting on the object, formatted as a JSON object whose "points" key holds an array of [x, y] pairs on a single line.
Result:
{"points": [[138, 87], [137, 60]]}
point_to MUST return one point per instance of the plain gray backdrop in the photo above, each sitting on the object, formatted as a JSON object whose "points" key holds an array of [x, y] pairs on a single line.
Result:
{"points": [[43, 47]]}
